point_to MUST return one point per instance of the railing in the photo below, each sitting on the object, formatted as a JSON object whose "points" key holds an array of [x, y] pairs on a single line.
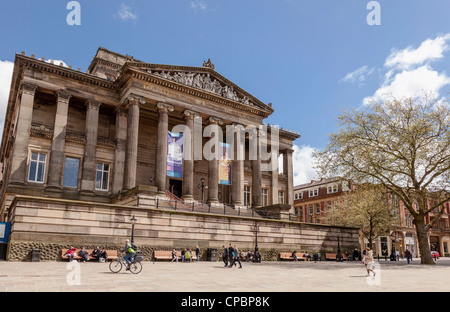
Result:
{"points": [[175, 203]]}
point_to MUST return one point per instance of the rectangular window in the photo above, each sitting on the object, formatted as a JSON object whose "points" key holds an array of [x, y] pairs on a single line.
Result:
{"points": [[71, 169], [247, 195], [265, 197], [280, 197], [329, 206], [102, 177], [332, 189], [311, 209], [313, 193], [36, 171], [317, 208]]}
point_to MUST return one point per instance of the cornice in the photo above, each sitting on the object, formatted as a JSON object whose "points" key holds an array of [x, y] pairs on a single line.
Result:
{"points": [[35, 64]]}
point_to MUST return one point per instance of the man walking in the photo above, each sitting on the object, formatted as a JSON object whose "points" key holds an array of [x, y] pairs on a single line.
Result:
{"points": [[237, 257], [225, 256]]}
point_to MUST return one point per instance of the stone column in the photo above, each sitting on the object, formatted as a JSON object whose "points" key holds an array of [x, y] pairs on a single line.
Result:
{"points": [[288, 170], [90, 148], [161, 147], [120, 152], [22, 135], [213, 164], [132, 141], [274, 183], [237, 166], [56, 163], [188, 159], [256, 170]]}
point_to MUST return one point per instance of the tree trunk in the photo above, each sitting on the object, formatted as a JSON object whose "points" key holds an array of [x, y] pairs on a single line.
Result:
{"points": [[422, 237]]}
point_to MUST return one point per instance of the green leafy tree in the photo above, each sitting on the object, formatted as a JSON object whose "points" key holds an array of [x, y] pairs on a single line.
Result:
{"points": [[403, 145]]}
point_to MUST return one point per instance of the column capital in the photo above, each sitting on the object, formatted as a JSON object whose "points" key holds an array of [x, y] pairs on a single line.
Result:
{"points": [[28, 88], [132, 99], [121, 111], [93, 104], [188, 114], [164, 107], [63, 96], [215, 121]]}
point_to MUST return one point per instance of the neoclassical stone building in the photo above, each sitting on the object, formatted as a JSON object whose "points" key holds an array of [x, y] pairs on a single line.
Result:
{"points": [[80, 150]]}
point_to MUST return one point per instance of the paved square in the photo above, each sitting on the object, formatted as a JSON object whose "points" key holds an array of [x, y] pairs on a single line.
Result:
{"points": [[213, 277]]}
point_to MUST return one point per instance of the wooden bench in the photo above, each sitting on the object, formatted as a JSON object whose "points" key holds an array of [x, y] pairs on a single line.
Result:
{"points": [[288, 256], [112, 254], [167, 255], [332, 256]]}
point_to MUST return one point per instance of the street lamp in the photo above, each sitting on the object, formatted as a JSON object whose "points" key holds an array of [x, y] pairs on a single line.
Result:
{"points": [[393, 257], [133, 222], [202, 187], [339, 257], [256, 256]]}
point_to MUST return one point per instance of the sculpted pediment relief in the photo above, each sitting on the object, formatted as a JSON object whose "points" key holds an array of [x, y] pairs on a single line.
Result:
{"points": [[205, 82]]}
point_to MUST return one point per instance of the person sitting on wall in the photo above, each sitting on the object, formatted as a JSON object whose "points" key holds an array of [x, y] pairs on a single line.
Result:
{"points": [[103, 256], [96, 253], [294, 255]]}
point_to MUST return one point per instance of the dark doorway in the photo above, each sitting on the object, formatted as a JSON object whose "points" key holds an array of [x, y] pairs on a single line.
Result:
{"points": [[176, 187]]}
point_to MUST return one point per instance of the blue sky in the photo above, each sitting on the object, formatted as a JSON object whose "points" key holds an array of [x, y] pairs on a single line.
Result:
{"points": [[310, 58]]}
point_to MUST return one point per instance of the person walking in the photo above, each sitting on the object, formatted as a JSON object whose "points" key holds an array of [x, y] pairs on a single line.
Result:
{"points": [[236, 257], [225, 256], [197, 253], [408, 255], [368, 261], [230, 255]]}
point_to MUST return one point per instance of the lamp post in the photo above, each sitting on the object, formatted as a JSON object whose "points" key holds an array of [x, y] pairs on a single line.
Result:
{"points": [[133, 222], [202, 187], [392, 256], [257, 256], [339, 257]]}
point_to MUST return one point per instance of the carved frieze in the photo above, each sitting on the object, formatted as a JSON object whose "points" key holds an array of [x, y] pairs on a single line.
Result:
{"points": [[203, 82]]}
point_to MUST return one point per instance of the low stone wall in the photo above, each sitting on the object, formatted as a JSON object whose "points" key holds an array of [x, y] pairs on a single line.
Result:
{"points": [[55, 224]]}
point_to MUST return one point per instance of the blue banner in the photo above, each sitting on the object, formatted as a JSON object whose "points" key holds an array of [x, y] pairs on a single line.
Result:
{"points": [[5, 228], [175, 155]]}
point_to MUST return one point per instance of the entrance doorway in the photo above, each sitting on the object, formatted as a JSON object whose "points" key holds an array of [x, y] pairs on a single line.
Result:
{"points": [[225, 194], [176, 187]]}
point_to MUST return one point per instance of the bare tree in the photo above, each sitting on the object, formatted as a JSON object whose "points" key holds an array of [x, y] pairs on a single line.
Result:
{"points": [[404, 145]]}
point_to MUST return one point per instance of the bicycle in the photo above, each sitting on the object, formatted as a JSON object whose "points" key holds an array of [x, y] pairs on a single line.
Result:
{"points": [[116, 265]]}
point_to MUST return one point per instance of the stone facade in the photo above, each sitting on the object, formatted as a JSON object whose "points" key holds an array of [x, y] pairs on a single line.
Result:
{"points": [[79, 148]]}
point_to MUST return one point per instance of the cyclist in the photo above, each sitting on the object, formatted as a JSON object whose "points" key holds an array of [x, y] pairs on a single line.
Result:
{"points": [[130, 250]]}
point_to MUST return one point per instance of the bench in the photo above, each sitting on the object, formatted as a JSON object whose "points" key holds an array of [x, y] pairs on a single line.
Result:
{"points": [[288, 256], [332, 256], [167, 255], [112, 254]]}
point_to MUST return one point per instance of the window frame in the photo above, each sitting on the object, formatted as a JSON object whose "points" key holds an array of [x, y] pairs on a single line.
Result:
{"points": [[78, 171], [38, 162], [102, 176]]}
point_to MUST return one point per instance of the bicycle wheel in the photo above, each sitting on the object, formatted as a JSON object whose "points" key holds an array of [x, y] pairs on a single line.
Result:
{"points": [[135, 267], [115, 266]]}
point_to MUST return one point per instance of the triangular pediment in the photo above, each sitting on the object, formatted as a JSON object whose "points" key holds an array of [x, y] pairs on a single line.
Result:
{"points": [[202, 78]]}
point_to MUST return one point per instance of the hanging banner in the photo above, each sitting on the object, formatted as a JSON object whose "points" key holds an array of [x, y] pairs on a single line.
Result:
{"points": [[175, 155], [225, 164]]}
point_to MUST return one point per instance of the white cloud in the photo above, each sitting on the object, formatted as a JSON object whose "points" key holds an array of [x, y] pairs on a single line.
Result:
{"points": [[358, 75], [198, 5], [410, 83], [409, 71], [303, 163], [125, 13], [429, 50], [6, 70]]}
